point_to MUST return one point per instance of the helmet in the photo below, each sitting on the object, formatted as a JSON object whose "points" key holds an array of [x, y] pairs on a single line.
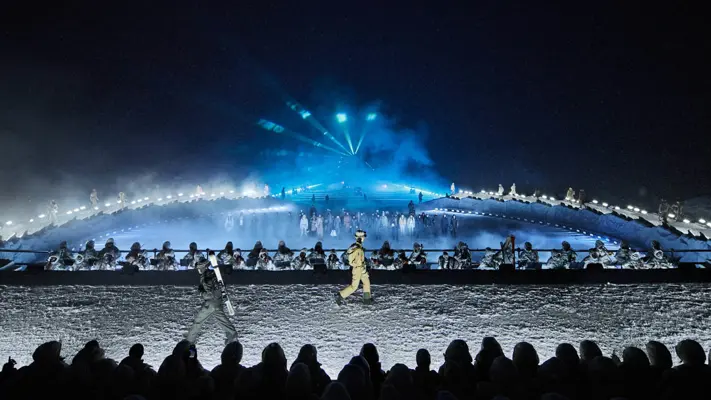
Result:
{"points": [[281, 243], [360, 234], [416, 246], [136, 246], [110, 241], [229, 245], [166, 245], [193, 246], [528, 246], [566, 245], [90, 244]]}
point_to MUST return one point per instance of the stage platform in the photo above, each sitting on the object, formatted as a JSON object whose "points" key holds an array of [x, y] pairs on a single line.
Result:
{"points": [[378, 277]]}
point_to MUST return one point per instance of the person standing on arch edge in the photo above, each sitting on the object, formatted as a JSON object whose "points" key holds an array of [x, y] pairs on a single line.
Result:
{"points": [[356, 259]]}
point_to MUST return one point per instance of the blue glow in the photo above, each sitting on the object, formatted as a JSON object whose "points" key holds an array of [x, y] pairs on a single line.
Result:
{"points": [[371, 117], [341, 117], [305, 114]]}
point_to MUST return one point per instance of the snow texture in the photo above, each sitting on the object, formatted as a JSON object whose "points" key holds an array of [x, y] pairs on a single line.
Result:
{"points": [[403, 319]]}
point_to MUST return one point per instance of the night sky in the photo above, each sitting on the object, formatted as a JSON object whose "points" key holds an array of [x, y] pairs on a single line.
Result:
{"points": [[613, 100]]}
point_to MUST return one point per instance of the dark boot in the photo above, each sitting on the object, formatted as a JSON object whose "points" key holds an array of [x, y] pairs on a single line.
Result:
{"points": [[367, 298], [339, 299]]}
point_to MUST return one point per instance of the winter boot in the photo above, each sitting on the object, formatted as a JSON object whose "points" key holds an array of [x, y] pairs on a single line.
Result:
{"points": [[339, 299], [367, 298]]}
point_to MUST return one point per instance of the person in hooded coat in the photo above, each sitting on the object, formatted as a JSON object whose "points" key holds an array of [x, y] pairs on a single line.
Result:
{"points": [[212, 305], [359, 272], [266, 380], [319, 378], [426, 380], [377, 375], [253, 255], [226, 375], [48, 368]]}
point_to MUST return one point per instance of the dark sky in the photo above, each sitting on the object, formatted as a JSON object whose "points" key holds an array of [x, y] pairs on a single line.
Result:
{"points": [[611, 98]]}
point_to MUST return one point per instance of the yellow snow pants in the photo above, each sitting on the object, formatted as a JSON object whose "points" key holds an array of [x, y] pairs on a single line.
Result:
{"points": [[360, 274]]}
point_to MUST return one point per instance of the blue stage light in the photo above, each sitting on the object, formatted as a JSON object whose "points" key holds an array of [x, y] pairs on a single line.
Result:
{"points": [[371, 117], [305, 114], [341, 117]]}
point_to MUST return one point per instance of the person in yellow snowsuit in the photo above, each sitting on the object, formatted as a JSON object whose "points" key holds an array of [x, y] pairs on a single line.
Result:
{"points": [[356, 259]]}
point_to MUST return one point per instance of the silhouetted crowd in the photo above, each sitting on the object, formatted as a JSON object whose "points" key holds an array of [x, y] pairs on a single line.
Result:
{"points": [[571, 374]]}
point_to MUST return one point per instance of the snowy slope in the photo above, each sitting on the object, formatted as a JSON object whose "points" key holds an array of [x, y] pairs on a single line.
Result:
{"points": [[404, 319]]}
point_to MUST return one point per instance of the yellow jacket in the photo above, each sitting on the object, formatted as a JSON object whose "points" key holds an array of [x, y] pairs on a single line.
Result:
{"points": [[356, 255]]}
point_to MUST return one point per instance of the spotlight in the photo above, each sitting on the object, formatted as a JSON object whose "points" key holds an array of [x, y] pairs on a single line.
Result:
{"points": [[552, 198], [371, 117], [32, 220], [180, 195], [222, 193], [617, 208], [630, 208], [686, 221], [544, 197], [232, 191], [341, 117], [605, 204], [671, 215], [305, 114], [145, 198], [41, 216], [69, 212], [107, 205], [82, 208], [96, 208], [160, 199], [133, 202], [76, 210], [168, 197], [644, 212], [594, 201], [636, 209], [8, 223], [709, 224], [702, 221]]}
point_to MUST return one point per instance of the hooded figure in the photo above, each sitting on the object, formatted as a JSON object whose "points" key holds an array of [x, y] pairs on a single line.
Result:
{"points": [[332, 262], [60, 259], [264, 261], [359, 272], [138, 257], [212, 305], [283, 256], [109, 255], [418, 257], [384, 257], [228, 372], [319, 378], [626, 258], [656, 258], [166, 258], [301, 261], [462, 256], [561, 259], [528, 258], [86, 259], [253, 255], [194, 258], [445, 261]]}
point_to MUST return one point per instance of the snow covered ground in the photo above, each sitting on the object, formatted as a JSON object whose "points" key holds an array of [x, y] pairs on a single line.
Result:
{"points": [[404, 319]]}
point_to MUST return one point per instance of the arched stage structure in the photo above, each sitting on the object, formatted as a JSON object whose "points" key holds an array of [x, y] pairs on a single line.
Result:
{"points": [[185, 220]]}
